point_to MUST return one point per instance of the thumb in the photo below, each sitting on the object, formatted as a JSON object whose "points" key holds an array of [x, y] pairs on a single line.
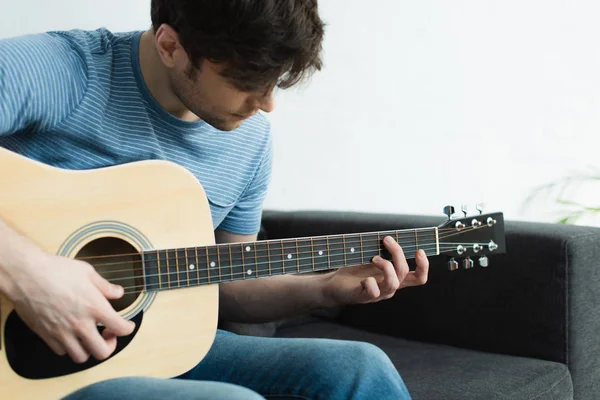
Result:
{"points": [[369, 290], [109, 290]]}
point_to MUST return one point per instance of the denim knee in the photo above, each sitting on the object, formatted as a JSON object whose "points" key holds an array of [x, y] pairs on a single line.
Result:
{"points": [[358, 370]]}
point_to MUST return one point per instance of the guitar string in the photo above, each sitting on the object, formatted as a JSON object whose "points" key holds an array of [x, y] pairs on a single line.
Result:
{"points": [[223, 276], [185, 266], [409, 233], [278, 263], [279, 241], [276, 247], [254, 253], [176, 255]]}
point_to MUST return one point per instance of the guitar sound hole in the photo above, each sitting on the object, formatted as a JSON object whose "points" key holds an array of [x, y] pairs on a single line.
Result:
{"points": [[119, 263], [30, 357]]}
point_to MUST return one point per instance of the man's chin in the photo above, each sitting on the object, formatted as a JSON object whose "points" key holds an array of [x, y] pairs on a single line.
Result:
{"points": [[229, 126], [224, 125]]}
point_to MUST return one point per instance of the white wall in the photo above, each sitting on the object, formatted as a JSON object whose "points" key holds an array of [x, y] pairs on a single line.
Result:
{"points": [[420, 104]]}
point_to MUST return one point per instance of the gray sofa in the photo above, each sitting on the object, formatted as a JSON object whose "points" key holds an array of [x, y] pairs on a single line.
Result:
{"points": [[526, 327]]}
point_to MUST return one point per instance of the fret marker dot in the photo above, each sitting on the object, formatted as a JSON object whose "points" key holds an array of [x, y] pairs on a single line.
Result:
{"points": [[320, 253], [289, 256], [212, 264], [249, 272], [352, 250], [248, 248], [192, 266]]}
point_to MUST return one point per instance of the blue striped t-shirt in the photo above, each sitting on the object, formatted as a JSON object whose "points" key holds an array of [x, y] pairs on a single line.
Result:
{"points": [[77, 100]]}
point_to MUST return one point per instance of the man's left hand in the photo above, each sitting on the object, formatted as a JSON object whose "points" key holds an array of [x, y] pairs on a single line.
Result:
{"points": [[376, 281]]}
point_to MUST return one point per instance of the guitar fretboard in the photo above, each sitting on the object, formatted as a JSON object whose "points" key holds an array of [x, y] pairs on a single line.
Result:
{"points": [[193, 266]]}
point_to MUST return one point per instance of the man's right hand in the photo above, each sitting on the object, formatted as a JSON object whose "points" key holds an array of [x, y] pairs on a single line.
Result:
{"points": [[62, 300]]}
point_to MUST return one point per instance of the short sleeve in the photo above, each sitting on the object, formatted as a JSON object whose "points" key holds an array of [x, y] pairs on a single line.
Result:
{"points": [[43, 78]]}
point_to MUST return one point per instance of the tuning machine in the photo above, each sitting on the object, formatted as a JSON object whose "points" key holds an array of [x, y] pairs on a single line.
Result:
{"points": [[480, 206], [467, 263], [449, 211], [452, 264]]}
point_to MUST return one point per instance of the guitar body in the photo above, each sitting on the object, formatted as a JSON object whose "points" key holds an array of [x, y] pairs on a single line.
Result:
{"points": [[143, 205]]}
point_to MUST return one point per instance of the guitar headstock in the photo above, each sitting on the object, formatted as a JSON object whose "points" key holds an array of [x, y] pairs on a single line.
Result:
{"points": [[471, 238]]}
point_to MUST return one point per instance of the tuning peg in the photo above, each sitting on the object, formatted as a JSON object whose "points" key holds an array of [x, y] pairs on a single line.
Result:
{"points": [[467, 263], [483, 261], [449, 211], [464, 208], [480, 206], [452, 264]]}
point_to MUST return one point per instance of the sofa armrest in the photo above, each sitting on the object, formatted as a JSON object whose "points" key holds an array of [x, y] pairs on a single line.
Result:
{"points": [[541, 299]]}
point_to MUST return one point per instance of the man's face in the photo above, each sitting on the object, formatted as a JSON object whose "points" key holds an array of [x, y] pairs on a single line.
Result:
{"points": [[214, 99]]}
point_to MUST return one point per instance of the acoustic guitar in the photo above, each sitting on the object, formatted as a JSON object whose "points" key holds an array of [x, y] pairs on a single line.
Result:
{"points": [[147, 226]]}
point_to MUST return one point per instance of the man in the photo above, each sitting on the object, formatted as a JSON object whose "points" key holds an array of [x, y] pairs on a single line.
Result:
{"points": [[187, 90]]}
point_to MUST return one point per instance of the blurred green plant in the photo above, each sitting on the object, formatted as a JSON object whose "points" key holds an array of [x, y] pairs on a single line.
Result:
{"points": [[560, 190]]}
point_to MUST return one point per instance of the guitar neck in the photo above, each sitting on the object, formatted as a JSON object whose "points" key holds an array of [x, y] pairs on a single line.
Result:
{"points": [[194, 266]]}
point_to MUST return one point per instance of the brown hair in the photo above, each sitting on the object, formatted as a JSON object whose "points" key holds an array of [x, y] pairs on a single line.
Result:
{"points": [[261, 43]]}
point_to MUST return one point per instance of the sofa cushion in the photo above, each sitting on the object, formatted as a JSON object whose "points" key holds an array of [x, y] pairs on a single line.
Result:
{"points": [[432, 371]]}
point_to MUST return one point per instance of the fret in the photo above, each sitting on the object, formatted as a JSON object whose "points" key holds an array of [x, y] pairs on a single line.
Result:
{"points": [[189, 267], [320, 253], [416, 242], [408, 242], [261, 268], [176, 257], [362, 253], [305, 259], [218, 262], [298, 256], [172, 268], [231, 265], [345, 250], [312, 254], [192, 270], [212, 262], [150, 266], [166, 274], [163, 271], [182, 267], [328, 252], [382, 251], [275, 257], [243, 262], [269, 256], [353, 249], [225, 270], [236, 260], [290, 256], [158, 269], [372, 245], [282, 258], [337, 255], [201, 266], [255, 261], [428, 240]]}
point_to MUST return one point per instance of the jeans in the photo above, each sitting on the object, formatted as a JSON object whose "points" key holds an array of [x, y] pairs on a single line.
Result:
{"points": [[247, 367]]}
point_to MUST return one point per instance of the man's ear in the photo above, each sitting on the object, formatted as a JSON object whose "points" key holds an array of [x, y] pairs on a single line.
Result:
{"points": [[169, 49]]}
